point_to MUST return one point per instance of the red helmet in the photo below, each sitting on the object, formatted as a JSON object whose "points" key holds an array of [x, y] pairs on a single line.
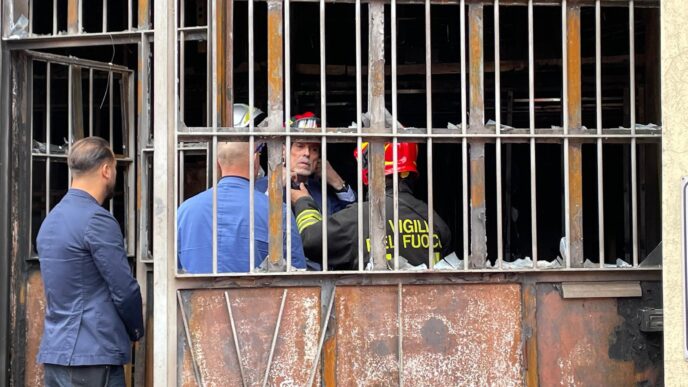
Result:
{"points": [[407, 153], [305, 120]]}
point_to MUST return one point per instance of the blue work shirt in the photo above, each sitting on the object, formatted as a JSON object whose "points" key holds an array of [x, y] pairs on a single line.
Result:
{"points": [[195, 225], [335, 201], [93, 303]]}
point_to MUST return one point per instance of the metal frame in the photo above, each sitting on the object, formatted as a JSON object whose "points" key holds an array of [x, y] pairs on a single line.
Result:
{"points": [[475, 133], [4, 208]]}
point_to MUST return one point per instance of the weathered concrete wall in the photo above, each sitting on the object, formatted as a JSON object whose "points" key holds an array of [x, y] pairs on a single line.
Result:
{"points": [[674, 54]]}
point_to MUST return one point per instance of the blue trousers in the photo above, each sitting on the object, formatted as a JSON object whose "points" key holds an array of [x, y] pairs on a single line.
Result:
{"points": [[86, 376]]}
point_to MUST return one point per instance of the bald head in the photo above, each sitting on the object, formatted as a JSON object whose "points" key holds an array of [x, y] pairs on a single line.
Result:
{"points": [[233, 158]]}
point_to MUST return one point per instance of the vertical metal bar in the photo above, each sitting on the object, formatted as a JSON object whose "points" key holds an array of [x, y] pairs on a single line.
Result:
{"points": [[464, 142], [215, 188], [531, 121], [274, 337], [73, 16], [144, 15], [70, 128], [359, 130], [572, 124], [182, 157], [477, 124], [48, 129], [376, 148], [287, 115], [323, 332], [428, 103], [55, 17], [30, 16], [395, 140], [251, 126], [275, 119], [105, 15], [129, 15], [498, 130], [90, 102], [111, 86], [634, 157], [165, 174], [400, 331], [323, 141], [236, 340], [127, 99], [182, 67], [598, 115], [210, 64]]}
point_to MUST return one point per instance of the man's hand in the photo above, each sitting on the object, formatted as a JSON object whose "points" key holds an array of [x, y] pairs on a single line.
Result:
{"points": [[297, 194], [333, 179]]}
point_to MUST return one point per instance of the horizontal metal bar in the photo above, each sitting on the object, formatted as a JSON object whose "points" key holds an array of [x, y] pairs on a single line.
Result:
{"points": [[457, 135], [64, 156], [585, 3], [70, 60], [80, 40]]}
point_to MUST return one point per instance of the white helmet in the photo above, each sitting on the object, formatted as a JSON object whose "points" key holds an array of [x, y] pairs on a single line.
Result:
{"points": [[242, 115]]}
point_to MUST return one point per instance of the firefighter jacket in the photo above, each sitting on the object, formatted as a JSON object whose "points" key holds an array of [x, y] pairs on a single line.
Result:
{"points": [[342, 230]]}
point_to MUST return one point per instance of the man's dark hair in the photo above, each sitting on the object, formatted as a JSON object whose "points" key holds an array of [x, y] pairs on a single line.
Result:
{"points": [[87, 154]]}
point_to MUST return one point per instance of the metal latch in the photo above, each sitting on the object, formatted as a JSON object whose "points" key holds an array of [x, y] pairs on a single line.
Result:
{"points": [[651, 320]]}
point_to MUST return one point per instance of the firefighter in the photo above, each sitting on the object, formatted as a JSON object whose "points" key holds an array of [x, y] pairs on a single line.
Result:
{"points": [[342, 227], [305, 168]]}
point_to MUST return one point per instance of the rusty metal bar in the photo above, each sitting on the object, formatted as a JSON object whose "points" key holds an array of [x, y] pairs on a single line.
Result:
{"points": [[634, 148], [182, 64], [376, 148], [464, 143], [598, 116], [274, 337], [359, 130], [395, 141], [164, 221], [187, 332], [275, 119], [73, 20], [323, 332], [77, 105], [428, 104], [237, 347], [498, 130], [477, 150], [572, 124], [531, 124], [144, 14], [323, 140]]}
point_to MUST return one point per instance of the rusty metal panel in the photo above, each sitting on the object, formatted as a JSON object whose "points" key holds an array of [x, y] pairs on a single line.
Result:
{"points": [[576, 340], [452, 335], [255, 313], [35, 320]]}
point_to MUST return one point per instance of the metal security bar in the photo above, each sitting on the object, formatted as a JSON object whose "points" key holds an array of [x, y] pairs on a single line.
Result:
{"points": [[479, 244], [51, 146]]}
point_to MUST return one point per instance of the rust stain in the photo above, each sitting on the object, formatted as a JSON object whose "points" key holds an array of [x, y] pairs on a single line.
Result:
{"points": [[573, 341], [530, 333], [275, 212], [453, 335], [35, 320], [330, 360], [275, 41], [476, 77], [573, 46], [144, 10], [255, 312]]}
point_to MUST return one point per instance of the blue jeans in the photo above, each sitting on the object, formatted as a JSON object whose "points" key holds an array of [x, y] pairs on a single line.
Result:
{"points": [[78, 376]]}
